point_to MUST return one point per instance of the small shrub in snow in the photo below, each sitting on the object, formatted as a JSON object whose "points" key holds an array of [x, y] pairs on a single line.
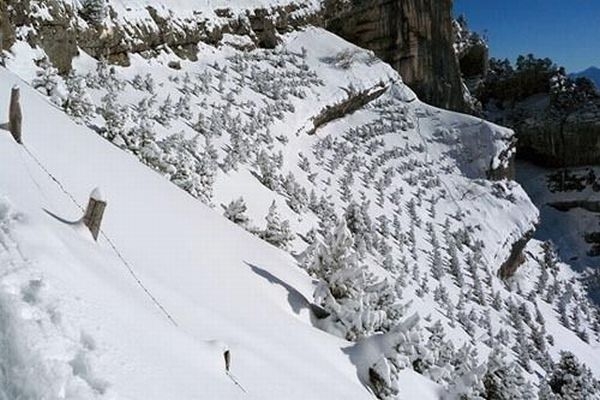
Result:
{"points": [[277, 232], [78, 103], [235, 211], [48, 82]]}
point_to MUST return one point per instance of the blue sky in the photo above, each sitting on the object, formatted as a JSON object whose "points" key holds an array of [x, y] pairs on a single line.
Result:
{"points": [[567, 31]]}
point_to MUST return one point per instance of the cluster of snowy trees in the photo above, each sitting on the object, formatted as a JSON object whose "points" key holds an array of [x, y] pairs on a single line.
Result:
{"points": [[455, 259], [93, 11], [191, 162], [358, 305]]}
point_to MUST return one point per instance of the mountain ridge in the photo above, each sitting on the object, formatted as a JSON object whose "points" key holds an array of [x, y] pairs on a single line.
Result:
{"points": [[592, 73]]}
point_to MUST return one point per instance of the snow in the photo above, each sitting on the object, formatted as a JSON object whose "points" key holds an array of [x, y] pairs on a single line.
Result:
{"points": [[182, 252], [97, 195], [183, 12], [147, 312]]}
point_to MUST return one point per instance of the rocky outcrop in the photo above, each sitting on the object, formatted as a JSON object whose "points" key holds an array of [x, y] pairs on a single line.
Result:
{"points": [[60, 31], [7, 31], [551, 142], [506, 168], [516, 257], [414, 36]]}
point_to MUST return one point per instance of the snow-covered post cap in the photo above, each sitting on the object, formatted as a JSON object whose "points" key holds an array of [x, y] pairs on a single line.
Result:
{"points": [[94, 212], [97, 195]]}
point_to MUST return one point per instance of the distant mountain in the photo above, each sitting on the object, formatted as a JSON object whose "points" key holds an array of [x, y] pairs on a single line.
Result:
{"points": [[592, 73]]}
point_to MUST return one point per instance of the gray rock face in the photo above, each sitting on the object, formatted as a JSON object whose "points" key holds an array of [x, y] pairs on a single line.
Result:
{"points": [[414, 36], [7, 32], [61, 35], [575, 142], [546, 140]]}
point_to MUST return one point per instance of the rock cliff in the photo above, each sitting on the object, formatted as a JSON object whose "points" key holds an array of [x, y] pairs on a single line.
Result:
{"points": [[550, 140], [555, 143], [60, 29], [414, 36]]}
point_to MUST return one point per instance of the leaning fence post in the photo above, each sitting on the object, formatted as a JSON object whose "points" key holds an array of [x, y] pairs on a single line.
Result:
{"points": [[15, 115], [94, 212], [227, 356]]}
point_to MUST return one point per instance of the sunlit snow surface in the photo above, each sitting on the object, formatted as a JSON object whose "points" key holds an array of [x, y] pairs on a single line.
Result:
{"points": [[79, 325]]}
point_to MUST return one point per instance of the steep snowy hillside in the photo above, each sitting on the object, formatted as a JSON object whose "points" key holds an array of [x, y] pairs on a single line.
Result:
{"points": [[408, 271], [75, 323]]}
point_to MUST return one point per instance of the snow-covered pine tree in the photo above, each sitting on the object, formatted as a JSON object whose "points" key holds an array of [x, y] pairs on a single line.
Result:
{"points": [[235, 211], [267, 168], [114, 115], [93, 11], [344, 288], [78, 102], [277, 232], [141, 139], [570, 380], [49, 82], [166, 113]]}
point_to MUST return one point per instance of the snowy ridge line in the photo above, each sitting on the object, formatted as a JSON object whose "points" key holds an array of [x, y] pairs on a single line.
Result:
{"points": [[108, 240]]}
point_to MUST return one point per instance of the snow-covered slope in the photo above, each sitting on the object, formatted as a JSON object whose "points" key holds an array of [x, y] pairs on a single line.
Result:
{"points": [[385, 201], [68, 301]]}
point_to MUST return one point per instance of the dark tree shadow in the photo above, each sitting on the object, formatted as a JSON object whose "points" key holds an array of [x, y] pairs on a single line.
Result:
{"points": [[4, 126], [60, 219], [363, 355], [296, 299]]}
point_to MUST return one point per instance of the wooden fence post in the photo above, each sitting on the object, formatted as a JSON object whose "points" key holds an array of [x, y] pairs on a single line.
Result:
{"points": [[227, 356], [94, 212], [15, 115]]}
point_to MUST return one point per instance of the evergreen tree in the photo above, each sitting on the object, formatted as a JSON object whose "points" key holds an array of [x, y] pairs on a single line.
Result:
{"points": [[346, 291], [78, 102], [267, 168], [277, 232], [114, 116], [49, 82], [93, 11], [166, 113], [235, 211], [572, 381]]}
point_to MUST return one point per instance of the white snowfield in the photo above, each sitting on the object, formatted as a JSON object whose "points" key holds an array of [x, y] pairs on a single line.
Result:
{"points": [[148, 311], [76, 325]]}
